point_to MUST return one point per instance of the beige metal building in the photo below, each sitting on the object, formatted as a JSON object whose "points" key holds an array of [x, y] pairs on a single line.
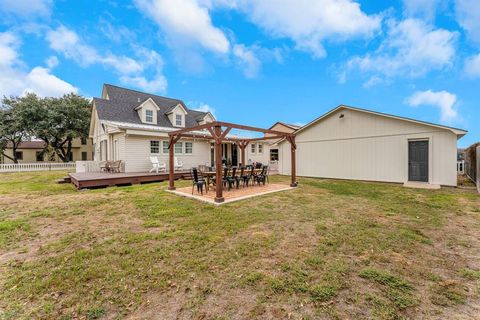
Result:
{"points": [[358, 144], [31, 152]]}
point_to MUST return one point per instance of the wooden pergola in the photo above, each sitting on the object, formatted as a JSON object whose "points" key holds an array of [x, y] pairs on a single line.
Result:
{"points": [[218, 132]]}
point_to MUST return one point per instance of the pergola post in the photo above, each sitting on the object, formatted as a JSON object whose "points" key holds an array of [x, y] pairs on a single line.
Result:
{"points": [[171, 167], [243, 146], [218, 164], [171, 173], [293, 148]]}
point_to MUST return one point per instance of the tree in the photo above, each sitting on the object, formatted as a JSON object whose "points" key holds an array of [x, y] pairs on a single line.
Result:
{"points": [[57, 121], [12, 127]]}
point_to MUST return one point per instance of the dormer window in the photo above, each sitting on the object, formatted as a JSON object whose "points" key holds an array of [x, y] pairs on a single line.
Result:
{"points": [[149, 116], [179, 120]]}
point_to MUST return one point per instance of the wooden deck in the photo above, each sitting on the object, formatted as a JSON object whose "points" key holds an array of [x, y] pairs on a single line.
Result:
{"points": [[102, 179]]}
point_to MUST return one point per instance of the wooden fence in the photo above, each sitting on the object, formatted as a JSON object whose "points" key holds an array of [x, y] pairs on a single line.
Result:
{"points": [[41, 166]]}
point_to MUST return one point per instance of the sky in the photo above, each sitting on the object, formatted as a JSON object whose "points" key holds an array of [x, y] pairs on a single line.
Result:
{"points": [[254, 62]]}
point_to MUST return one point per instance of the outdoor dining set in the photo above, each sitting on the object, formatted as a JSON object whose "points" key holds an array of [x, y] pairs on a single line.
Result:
{"points": [[235, 176]]}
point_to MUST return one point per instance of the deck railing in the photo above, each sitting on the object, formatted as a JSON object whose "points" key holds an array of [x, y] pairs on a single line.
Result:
{"points": [[94, 166], [41, 166]]}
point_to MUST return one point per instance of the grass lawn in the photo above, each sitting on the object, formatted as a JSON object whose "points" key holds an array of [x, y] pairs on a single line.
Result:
{"points": [[326, 250]]}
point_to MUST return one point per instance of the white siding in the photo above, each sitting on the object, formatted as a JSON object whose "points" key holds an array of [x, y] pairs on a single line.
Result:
{"points": [[137, 156], [363, 146], [263, 157]]}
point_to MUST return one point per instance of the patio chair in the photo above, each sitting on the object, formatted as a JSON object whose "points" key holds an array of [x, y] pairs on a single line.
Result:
{"points": [[239, 177], [197, 180], [177, 164], [106, 166], [248, 176], [116, 166], [157, 166], [225, 176], [231, 178], [262, 176]]}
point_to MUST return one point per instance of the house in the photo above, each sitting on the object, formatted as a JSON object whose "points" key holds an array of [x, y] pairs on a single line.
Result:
{"points": [[32, 152], [282, 127], [132, 126], [359, 144]]}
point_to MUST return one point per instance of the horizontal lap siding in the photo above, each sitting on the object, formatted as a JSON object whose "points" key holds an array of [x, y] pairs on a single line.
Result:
{"points": [[137, 154]]}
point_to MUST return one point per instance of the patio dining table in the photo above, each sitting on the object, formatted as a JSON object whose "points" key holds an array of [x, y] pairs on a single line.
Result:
{"points": [[211, 174]]}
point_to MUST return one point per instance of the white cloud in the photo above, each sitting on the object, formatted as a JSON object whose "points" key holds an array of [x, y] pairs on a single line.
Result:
{"points": [[468, 16], [443, 100], [412, 48], [186, 22], [309, 23], [247, 60], [43, 83], [51, 62], [472, 66], [26, 8], [201, 106], [425, 9], [15, 79], [132, 71]]}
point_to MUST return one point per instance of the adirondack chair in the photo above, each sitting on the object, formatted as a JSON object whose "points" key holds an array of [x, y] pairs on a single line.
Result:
{"points": [[178, 165], [157, 166]]}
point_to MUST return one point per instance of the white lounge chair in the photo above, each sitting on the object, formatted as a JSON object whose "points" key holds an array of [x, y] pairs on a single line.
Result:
{"points": [[157, 166], [178, 165]]}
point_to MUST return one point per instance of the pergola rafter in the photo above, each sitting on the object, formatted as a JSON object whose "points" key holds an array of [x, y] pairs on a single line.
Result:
{"points": [[219, 135]]}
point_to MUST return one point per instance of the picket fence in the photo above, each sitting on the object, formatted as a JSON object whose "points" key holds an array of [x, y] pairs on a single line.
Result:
{"points": [[41, 166]]}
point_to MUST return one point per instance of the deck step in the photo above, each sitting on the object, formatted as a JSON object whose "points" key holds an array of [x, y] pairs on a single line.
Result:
{"points": [[64, 180]]}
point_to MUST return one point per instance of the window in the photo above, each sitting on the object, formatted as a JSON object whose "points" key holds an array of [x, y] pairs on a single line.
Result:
{"points": [[253, 147], [154, 146], [188, 147], [84, 141], [178, 120], [260, 148], [39, 156], [178, 147], [148, 116], [165, 146], [273, 154], [84, 156], [19, 155]]}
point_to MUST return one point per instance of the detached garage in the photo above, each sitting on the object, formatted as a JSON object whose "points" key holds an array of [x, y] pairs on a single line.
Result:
{"points": [[358, 144]]}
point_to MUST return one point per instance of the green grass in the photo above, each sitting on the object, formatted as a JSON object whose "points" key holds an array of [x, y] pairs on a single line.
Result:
{"points": [[309, 252]]}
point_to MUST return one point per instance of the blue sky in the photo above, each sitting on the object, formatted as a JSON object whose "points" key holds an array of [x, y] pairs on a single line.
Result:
{"points": [[254, 62]]}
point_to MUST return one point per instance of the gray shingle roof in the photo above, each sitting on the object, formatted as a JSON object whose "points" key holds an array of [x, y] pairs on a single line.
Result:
{"points": [[122, 102]]}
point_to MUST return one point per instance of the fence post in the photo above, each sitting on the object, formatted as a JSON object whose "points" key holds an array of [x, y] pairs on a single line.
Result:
{"points": [[478, 169]]}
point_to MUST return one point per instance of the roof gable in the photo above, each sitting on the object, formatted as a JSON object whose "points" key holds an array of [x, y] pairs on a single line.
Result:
{"points": [[458, 132]]}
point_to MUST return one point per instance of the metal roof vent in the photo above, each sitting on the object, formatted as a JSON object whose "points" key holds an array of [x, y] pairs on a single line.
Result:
{"points": [[138, 99]]}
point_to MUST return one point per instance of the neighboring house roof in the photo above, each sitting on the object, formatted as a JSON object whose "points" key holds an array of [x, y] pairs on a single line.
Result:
{"points": [[121, 103], [458, 132], [28, 145], [289, 125]]}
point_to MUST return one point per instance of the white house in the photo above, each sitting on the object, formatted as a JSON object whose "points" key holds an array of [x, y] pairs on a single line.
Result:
{"points": [[358, 144], [131, 126]]}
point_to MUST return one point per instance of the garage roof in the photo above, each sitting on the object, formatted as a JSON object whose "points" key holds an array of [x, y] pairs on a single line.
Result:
{"points": [[459, 132]]}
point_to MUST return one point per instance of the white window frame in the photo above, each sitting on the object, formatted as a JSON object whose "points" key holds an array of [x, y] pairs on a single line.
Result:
{"points": [[147, 116], [165, 142], [175, 148], [260, 148], [158, 146], [177, 119], [185, 150], [253, 148]]}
